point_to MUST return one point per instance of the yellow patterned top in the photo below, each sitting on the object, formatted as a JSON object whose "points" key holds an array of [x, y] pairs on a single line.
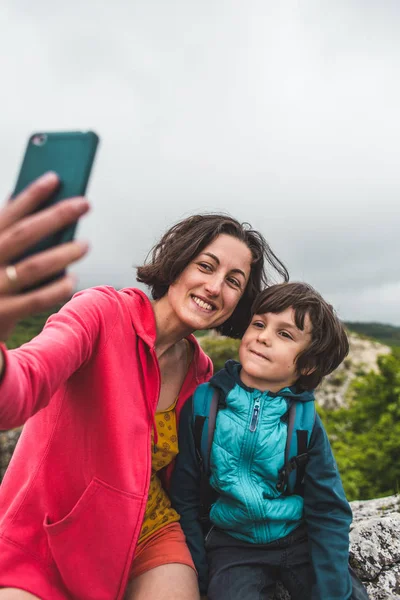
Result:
{"points": [[158, 510]]}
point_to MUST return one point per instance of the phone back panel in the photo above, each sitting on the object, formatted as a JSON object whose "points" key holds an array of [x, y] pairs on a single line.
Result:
{"points": [[70, 155]]}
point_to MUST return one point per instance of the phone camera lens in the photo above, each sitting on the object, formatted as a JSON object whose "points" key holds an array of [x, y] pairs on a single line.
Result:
{"points": [[39, 139]]}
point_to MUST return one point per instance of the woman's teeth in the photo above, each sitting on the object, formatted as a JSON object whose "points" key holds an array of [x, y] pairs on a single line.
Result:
{"points": [[202, 304]]}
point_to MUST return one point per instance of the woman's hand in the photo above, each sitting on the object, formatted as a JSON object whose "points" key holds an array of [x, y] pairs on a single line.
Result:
{"points": [[19, 229]]}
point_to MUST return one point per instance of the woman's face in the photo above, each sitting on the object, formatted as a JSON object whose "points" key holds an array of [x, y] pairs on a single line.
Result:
{"points": [[206, 293]]}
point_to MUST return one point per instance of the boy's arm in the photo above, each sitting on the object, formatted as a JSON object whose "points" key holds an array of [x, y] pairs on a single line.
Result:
{"points": [[328, 517], [185, 493]]}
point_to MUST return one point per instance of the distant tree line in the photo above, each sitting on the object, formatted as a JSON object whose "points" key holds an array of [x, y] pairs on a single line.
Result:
{"points": [[386, 334]]}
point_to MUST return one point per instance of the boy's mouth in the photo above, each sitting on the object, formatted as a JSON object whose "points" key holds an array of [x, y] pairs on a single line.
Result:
{"points": [[259, 354]]}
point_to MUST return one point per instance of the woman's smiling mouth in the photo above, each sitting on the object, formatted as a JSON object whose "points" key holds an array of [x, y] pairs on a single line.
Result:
{"points": [[202, 303]]}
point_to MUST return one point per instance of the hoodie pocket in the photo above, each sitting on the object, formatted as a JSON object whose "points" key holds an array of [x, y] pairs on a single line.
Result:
{"points": [[90, 545]]}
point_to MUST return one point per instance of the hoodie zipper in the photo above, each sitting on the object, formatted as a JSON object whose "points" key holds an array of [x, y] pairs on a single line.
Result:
{"points": [[255, 415]]}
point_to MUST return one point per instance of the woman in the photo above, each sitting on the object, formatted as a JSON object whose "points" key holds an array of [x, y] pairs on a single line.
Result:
{"points": [[83, 508]]}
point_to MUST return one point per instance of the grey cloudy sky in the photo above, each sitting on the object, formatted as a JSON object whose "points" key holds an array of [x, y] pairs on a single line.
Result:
{"points": [[283, 114]]}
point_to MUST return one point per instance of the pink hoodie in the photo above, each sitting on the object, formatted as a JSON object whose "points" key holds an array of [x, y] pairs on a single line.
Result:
{"points": [[73, 498]]}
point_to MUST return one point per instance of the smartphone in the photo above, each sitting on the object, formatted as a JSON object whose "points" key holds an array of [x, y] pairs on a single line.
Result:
{"points": [[70, 154]]}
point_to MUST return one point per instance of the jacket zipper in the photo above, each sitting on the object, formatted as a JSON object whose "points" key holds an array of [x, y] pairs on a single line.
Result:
{"points": [[250, 442], [255, 415]]}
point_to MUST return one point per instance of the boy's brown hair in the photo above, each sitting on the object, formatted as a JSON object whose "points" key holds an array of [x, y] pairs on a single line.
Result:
{"points": [[187, 239], [329, 344]]}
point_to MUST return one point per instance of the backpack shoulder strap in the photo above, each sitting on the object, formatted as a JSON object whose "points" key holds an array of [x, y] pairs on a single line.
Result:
{"points": [[205, 407], [300, 425]]}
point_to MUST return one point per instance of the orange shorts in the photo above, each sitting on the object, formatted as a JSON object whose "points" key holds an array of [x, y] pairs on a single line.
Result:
{"points": [[165, 546]]}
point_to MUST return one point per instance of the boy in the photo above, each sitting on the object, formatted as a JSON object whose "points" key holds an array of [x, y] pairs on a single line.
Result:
{"points": [[260, 532]]}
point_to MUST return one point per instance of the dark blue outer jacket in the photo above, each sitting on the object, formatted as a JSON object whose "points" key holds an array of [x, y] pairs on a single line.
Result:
{"points": [[326, 510]]}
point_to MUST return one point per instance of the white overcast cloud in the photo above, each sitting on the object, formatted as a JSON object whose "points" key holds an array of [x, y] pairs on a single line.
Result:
{"points": [[283, 114]]}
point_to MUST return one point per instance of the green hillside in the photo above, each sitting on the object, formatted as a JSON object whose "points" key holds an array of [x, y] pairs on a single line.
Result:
{"points": [[386, 334], [29, 328]]}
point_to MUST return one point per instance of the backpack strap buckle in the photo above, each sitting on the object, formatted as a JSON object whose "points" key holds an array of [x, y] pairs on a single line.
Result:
{"points": [[296, 462], [301, 459]]}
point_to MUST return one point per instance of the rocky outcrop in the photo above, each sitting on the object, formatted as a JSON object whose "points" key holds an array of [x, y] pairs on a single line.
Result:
{"points": [[374, 548], [334, 390]]}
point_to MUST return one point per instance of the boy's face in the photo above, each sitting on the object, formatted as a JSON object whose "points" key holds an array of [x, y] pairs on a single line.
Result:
{"points": [[269, 350]]}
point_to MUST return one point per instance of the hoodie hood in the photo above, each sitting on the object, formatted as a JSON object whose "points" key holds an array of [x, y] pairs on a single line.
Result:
{"points": [[144, 324], [229, 376]]}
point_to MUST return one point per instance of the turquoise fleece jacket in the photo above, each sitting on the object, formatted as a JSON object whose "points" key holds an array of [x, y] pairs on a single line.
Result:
{"points": [[245, 461]]}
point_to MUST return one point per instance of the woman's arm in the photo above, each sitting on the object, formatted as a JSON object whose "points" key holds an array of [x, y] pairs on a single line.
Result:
{"points": [[328, 517], [34, 372]]}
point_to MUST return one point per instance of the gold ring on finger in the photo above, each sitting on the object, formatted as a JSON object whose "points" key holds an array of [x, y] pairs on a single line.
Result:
{"points": [[11, 273]]}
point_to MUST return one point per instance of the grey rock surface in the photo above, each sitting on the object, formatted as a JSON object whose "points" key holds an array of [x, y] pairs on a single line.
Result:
{"points": [[375, 546]]}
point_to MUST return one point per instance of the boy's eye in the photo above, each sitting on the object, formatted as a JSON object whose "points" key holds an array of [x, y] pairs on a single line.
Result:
{"points": [[258, 324], [285, 334]]}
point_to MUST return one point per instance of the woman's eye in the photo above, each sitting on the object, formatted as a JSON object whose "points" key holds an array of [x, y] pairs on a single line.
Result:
{"points": [[234, 282], [205, 266]]}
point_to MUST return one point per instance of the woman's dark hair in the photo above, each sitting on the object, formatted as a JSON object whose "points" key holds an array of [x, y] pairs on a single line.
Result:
{"points": [[187, 239], [329, 343]]}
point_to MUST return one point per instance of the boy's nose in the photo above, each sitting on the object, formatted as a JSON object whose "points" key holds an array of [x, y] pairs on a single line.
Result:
{"points": [[264, 337]]}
